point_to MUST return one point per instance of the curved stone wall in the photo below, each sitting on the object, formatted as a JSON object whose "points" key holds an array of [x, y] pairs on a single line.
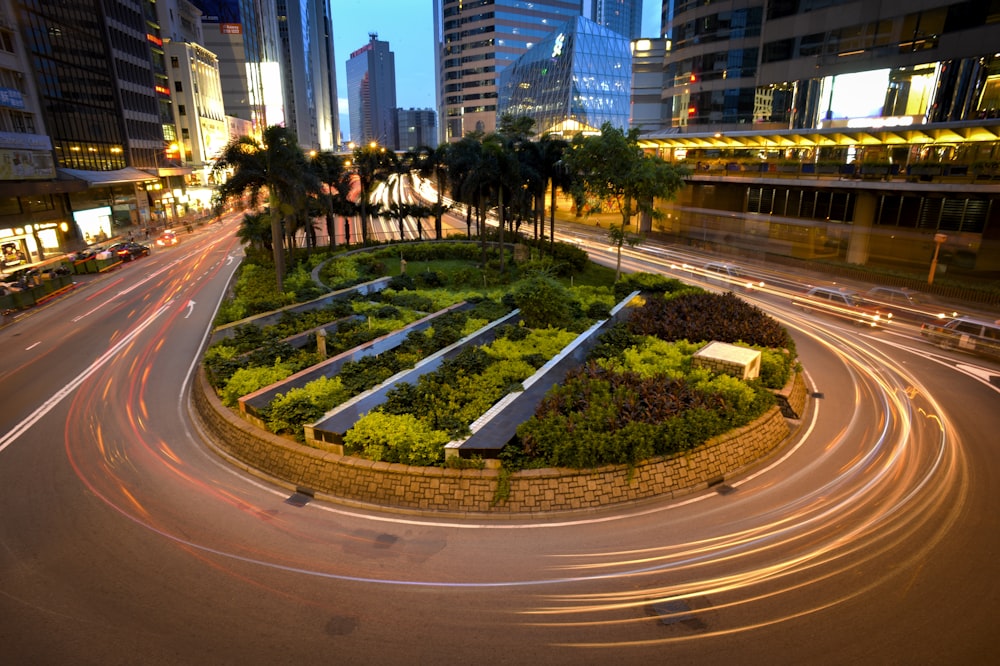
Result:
{"points": [[475, 491]]}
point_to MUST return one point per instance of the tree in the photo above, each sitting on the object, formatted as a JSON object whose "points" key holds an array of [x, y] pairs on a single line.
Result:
{"points": [[612, 167], [370, 165], [554, 173], [465, 176], [617, 236], [433, 163], [255, 231], [330, 170], [275, 165]]}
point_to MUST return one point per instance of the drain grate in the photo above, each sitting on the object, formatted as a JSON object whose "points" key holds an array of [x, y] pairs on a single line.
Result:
{"points": [[817, 394], [724, 489], [673, 611], [300, 497]]}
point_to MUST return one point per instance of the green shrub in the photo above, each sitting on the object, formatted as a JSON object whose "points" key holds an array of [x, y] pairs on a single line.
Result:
{"points": [[648, 283], [601, 416], [396, 438], [247, 380], [775, 367], [652, 357], [289, 412], [543, 303]]}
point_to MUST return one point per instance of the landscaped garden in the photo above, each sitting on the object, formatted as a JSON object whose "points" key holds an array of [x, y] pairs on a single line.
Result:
{"points": [[637, 396]]}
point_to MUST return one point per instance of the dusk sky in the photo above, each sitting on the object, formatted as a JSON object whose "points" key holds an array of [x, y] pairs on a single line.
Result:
{"points": [[408, 26]]}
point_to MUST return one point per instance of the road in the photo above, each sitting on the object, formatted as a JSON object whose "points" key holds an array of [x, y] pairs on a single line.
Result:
{"points": [[870, 538]]}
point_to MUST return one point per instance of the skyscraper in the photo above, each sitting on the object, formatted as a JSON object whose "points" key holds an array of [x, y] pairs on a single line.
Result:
{"points": [[308, 76], [244, 36], [371, 93], [475, 42], [622, 16]]}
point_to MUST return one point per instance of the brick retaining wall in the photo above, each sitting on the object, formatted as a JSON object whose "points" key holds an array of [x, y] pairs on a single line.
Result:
{"points": [[474, 491]]}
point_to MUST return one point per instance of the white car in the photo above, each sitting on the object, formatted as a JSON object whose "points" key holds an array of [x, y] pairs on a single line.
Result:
{"points": [[730, 276]]}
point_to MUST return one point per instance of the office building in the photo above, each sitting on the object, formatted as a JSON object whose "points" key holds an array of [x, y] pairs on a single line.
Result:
{"points": [[105, 95], [857, 132], [648, 81], [243, 35], [371, 93], [803, 64], [622, 16], [475, 41], [574, 80], [308, 72], [416, 128]]}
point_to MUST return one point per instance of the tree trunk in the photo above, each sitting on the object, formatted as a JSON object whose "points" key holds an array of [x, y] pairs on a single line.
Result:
{"points": [[438, 231], [552, 218], [277, 241], [500, 224]]}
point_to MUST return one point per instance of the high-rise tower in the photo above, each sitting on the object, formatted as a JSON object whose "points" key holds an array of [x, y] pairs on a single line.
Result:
{"points": [[622, 16], [371, 93], [475, 41]]}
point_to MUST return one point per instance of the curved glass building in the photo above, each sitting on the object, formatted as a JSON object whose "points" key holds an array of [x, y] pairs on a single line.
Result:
{"points": [[575, 79]]}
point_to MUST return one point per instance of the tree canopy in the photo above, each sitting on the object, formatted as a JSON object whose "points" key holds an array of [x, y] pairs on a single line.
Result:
{"points": [[612, 167]]}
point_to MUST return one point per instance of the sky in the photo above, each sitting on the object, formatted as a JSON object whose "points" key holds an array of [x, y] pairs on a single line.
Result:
{"points": [[408, 26]]}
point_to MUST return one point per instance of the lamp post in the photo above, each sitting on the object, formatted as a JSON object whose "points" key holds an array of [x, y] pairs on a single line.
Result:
{"points": [[939, 239]]}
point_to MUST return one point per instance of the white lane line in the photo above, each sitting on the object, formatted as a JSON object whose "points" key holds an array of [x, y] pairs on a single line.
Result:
{"points": [[11, 436]]}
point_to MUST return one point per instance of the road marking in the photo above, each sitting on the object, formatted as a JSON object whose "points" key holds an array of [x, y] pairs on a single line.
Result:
{"points": [[11, 436]]}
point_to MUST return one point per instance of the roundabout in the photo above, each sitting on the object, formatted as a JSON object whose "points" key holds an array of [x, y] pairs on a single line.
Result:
{"points": [[866, 538]]}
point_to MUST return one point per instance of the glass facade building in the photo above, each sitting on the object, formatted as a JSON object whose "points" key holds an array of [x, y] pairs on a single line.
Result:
{"points": [[798, 64], [575, 79], [475, 41], [371, 93], [622, 16]]}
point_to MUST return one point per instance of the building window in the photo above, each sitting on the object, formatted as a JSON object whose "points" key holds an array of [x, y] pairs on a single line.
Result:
{"points": [[181, 110], [174, 62], [178, 86]]}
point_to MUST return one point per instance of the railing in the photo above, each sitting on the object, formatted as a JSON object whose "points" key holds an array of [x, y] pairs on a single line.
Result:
{"points": [[918, 172]]}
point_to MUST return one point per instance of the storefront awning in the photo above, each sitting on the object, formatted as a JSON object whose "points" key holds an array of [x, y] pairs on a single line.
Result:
{"points": [[107, 178]]}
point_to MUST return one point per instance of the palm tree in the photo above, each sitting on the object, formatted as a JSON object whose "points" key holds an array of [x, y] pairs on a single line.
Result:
{"points": [[464, 170], [275, 165], [330, 170], [370, 166], [399, 170], [255, 231], [552, 170], [433, 163]]}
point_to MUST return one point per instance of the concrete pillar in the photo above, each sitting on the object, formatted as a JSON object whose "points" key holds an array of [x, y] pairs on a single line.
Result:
{"points": [[864, 217]]}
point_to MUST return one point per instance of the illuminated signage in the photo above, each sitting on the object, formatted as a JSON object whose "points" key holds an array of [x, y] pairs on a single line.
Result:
{"points": [[557, 48], [890, 121], [12, 99], [231, 28], [154, 39]]}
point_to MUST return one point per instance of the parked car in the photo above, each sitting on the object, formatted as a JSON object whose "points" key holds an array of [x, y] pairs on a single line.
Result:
{"points": [[729, 276], [21, 278], [166, 239], [129, 250], [978, 336], [845, 304], [906, 304]]}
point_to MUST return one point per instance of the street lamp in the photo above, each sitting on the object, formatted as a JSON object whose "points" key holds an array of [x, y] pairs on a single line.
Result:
{"points": [[939, 240]]}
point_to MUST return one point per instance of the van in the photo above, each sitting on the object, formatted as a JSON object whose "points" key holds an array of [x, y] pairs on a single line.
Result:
{"points": [[978, 336]]}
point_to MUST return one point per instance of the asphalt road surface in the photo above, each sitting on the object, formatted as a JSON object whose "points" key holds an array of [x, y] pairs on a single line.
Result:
{"points": [[870, 538]]}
